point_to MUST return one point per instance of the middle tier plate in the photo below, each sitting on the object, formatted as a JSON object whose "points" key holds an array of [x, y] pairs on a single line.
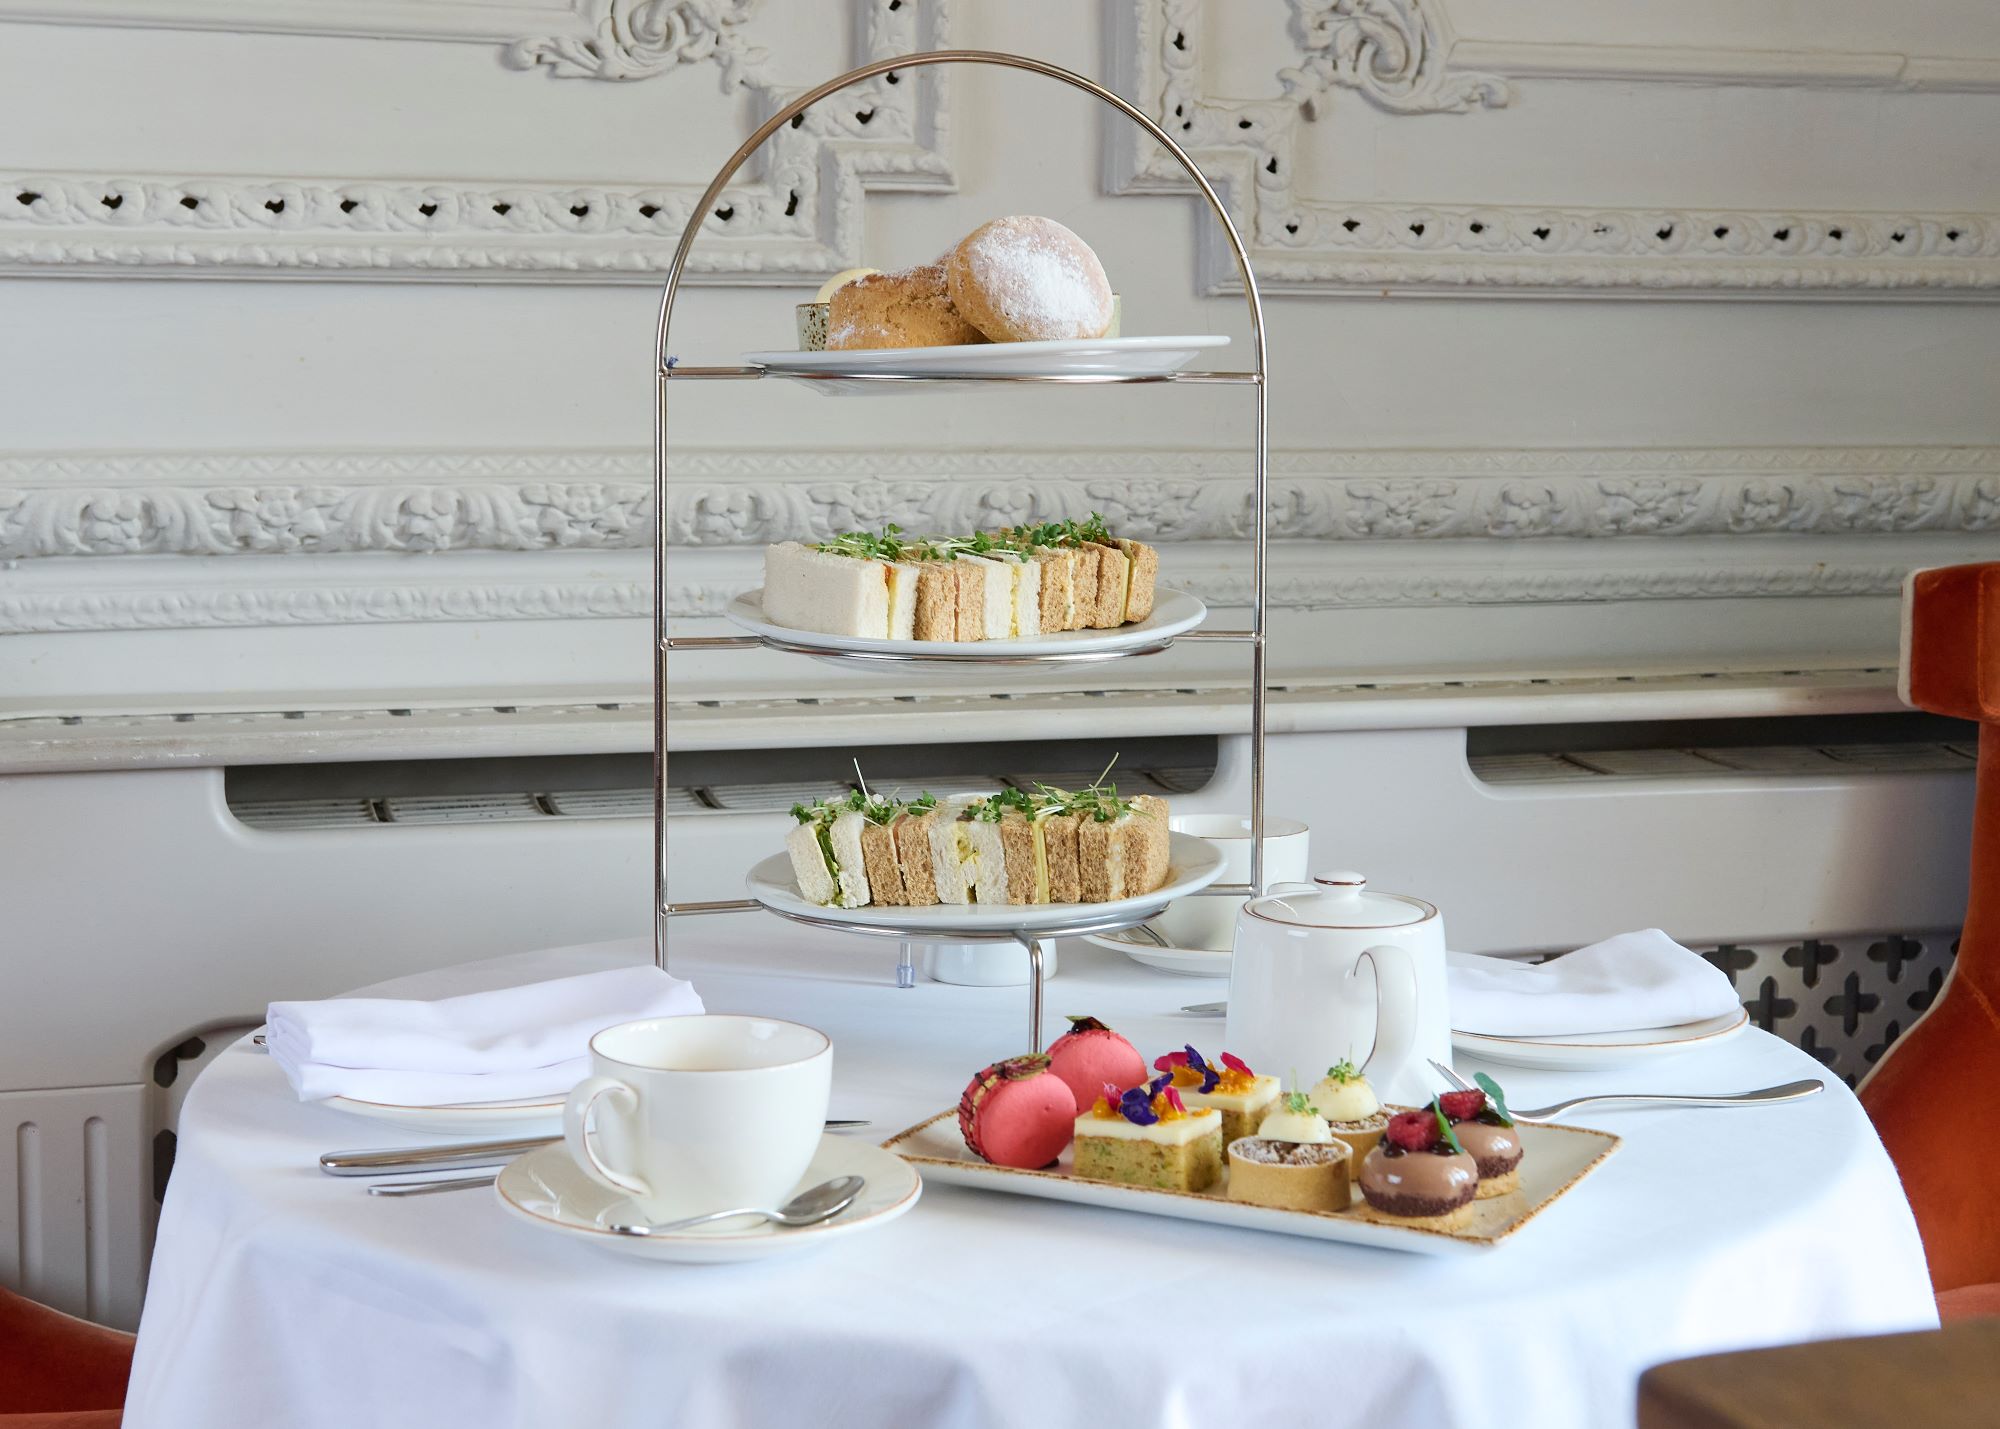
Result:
{"points": [[1193, 865], [1175, 612]]}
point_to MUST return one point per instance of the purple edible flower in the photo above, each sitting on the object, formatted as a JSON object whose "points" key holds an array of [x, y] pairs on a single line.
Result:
{"points": [[1209, 1076], [1136, 1106]]}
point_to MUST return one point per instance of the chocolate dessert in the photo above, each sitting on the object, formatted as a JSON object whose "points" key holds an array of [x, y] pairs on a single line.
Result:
{"points": [[1489, 1136], [1419, 1174]]}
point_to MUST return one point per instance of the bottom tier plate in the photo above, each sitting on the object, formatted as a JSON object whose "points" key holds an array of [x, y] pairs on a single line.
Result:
{"points": [[1557, 1158]]}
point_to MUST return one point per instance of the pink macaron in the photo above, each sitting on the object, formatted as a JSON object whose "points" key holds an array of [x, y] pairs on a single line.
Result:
{"points": [[1017, 1113], [1091, 1056]]}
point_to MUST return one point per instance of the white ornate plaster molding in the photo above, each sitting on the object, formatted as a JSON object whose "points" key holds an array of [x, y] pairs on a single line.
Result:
{"points": [[315, 503], [801, 217], [636, 39], [1302, 244]]}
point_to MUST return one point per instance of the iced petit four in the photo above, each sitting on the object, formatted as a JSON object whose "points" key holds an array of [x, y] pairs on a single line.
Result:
{"points": [[1294, 1161], [1091, 1054], [1017, 1113], [1233, 1089], [1147, 1136], [1348, 1103], [1489, 1136], [1419, 1174]]}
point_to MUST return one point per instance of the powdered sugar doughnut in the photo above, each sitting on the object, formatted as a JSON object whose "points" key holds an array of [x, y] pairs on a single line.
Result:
{"points": [[1026, 279]]}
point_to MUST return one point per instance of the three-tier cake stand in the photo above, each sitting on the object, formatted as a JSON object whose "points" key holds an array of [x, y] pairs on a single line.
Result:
{"points": [[909, 925]]}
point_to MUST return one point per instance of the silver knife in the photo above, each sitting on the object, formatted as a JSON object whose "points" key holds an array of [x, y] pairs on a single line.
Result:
{"points": [[457, 1154]]}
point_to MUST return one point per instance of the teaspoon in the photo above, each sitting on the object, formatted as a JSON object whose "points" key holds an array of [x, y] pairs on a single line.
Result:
{"points": [[811, 1206]]}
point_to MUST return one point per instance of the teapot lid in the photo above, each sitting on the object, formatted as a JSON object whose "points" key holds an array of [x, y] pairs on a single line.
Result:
{"points": [[1338, 900]]}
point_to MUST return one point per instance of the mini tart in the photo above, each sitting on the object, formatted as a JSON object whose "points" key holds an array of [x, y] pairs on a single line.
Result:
{"points": [[1349, 1104], [1361, 1135], [1179, 1152], [1497, 1151], [1017, 1113], [1292, 1176]]}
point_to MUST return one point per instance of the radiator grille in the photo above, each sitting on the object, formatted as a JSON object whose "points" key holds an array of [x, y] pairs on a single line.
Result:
{"points": [[1845, 1000]]}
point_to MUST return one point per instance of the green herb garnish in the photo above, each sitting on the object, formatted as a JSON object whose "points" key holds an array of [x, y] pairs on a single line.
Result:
{"points": [[1494, 1095], [1296, 1102], [1445, 1133], [993, 809], [1342, 1071]]}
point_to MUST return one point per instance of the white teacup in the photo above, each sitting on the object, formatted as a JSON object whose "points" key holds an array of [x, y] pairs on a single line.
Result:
{"points": [[1210, 923], [701, 1114]]}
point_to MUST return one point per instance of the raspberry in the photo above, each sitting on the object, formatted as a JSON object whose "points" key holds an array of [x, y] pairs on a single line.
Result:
{"points": [[1462, 1106], [1412, 1130]]}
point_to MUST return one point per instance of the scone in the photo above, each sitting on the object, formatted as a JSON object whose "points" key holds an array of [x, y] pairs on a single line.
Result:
{"points": [[905, 309], [1025, 279]]}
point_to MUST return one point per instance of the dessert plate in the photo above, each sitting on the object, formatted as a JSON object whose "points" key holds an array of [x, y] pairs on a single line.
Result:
{"points": [[545, 1189], [1188, 962], [1193, 864], [539, 1116], [1174, 613], [1086, 357], [1600, 1049], [1557, 1158]]}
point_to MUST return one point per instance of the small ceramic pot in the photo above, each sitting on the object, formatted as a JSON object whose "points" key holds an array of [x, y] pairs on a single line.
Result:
{"points": [[812, 325]]}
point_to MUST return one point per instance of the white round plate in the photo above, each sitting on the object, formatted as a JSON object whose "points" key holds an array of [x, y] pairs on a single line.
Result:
{"points": [[1100, 356], [1189, 962], [545, 1189], [1174, 612], [539, 1116], [1601, 1049], [1193, 864]]}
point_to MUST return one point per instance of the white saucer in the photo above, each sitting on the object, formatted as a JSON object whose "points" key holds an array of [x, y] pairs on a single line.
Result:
{"points": [[538, 1116], [1195, 863], [1188, 962], [1100, 356], [546, 1190], [1601, 1049], [1174, 612]]}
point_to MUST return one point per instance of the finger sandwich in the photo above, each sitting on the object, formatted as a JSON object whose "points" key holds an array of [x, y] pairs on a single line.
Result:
{"points": [[827, 858]]}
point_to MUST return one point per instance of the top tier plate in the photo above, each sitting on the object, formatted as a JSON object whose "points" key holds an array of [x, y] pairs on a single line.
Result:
{"points": [[1094, 359]]}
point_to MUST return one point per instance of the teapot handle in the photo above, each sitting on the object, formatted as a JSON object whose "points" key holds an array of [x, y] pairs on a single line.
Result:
{"points": [[1395, 1009]]}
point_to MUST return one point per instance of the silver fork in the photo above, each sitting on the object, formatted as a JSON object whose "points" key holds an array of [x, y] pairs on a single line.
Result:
{"points": [[1785, 1092]]}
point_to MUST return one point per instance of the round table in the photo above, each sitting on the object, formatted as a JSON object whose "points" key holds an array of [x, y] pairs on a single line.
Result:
{"points": [[281, 1296]]}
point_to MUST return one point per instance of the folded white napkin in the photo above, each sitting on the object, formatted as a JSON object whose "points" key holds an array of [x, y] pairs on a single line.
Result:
{"points": [[1623, 984], [517, 1042]]}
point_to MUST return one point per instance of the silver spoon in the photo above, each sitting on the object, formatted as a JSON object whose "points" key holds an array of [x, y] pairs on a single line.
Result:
{"points": [[1786, 1092], [811, 1206]]}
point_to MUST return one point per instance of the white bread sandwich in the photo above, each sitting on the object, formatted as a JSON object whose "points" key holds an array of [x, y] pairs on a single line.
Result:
{"points": [[827, 858]]}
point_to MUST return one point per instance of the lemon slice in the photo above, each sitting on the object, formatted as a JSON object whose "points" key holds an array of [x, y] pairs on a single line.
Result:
{"points": [[841, 280]]}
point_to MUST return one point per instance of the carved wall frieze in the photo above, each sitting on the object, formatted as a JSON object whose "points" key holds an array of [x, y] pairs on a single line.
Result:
{"points": [[800, 215], [326, 503], [75, 603], [1306, 244]]}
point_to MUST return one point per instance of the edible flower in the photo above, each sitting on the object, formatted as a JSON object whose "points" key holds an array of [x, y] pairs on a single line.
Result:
{"points": [[1187, 1069], [1136, 1106], [1174, 1100], [1236, 1075]]}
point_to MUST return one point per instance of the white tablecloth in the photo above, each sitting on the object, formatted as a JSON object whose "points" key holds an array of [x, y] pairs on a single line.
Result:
{"points": [[281, 1297]]}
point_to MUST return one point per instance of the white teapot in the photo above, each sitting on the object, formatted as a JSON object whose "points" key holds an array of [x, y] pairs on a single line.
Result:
{"points": [[1298, 999]]}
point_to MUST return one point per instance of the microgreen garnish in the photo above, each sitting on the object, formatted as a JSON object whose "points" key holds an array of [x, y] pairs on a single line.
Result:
{"points": [[1296, 1102], [1445, 1133], [1342, 1071], [1495, 1096]]}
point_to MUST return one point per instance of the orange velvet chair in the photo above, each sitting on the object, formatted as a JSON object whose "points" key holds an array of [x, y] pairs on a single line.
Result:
{"points": [[1921, 1095], [57, 1372]]}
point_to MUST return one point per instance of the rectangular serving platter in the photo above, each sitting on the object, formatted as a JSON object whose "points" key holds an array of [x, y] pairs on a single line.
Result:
{"points": [[1558, 1157]]}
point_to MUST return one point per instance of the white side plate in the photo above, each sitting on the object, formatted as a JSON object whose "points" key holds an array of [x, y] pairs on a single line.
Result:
{"points": [[1188, 962], [1194, 864], [1101, 356], [1557, 1157], [1601, 1049], [546, 1190], [486, 1120], [1174, 612]]}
